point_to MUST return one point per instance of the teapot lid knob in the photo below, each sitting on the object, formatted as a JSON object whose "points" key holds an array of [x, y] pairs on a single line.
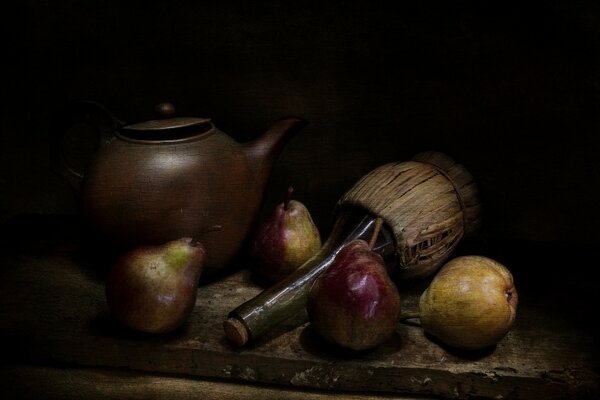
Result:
{"points": [[166, 121], [165, 110]]}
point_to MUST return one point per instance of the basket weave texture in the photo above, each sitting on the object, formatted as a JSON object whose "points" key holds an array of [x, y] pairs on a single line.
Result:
{"points": [[429, 202]]}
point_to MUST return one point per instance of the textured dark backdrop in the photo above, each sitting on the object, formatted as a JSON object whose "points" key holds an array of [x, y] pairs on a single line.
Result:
{"points": [[510, 90]]}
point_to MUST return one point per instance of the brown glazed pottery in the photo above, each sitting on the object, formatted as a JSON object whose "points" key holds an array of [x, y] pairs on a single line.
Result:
{"points": [[158, 180]]}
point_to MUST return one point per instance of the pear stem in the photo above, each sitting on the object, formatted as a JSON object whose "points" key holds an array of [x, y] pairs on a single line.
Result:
{"points": [[287, 198], [214, 228], [376, 229], [410, 315]]}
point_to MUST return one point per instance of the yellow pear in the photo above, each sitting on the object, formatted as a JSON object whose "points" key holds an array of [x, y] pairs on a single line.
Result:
{"points": [[470, 304]]}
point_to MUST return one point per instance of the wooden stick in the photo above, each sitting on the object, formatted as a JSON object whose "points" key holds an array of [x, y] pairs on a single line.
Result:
{"points": [[376, 229]]}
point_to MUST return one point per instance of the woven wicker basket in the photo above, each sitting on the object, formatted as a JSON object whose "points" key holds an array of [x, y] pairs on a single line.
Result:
{"points": [[430, 203]]}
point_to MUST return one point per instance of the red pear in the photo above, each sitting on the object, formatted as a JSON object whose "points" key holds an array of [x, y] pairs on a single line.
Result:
{"points": [[285, 241], [153, 288], [354, 303]]}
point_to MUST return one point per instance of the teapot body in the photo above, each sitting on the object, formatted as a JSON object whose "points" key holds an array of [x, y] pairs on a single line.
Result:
{"points": [[159, 180], [138, 192]]}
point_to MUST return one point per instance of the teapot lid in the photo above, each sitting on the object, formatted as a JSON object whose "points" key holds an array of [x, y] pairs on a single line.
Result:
{"points": [[172, 127]]}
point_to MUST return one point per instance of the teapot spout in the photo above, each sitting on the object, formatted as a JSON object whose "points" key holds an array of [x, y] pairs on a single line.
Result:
{"points": [[266, 148]]}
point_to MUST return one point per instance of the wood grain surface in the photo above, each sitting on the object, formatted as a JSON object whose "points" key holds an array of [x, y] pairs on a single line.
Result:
{"points": [[27, 382], [53, 310]]}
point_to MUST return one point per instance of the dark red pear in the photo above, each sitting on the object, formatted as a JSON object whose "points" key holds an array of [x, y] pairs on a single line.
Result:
{"points": [[285, 241], [354, 303], [153, 288]]}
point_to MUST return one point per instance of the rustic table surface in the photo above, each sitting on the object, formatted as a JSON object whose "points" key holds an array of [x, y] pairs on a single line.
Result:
{"points": [[59, 340]]}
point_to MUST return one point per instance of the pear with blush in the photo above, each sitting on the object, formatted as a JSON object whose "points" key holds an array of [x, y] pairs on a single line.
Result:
{"points": [[285, 241], [153, 288], [354, 304], [470, 304]]}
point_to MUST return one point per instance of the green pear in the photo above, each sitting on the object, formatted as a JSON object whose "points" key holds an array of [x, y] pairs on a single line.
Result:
{"points": [[285, 241], [153, 288], [470, 304]]}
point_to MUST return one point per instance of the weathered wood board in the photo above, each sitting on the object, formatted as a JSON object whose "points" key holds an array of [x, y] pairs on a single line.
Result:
{"points": [[52, 307]]}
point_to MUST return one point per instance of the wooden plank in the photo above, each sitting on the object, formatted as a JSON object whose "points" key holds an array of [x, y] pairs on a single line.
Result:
{"points": [[35, 382], [53, 307]]}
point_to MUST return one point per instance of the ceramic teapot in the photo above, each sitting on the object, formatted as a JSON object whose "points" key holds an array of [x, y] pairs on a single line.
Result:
{"points": [[153, 181]]}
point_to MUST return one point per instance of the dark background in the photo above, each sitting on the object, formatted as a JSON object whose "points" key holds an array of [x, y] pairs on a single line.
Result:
{"points": [[510, 90]]}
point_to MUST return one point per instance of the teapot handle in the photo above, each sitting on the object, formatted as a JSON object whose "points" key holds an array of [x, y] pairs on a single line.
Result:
{"points": [[81, 118]]}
